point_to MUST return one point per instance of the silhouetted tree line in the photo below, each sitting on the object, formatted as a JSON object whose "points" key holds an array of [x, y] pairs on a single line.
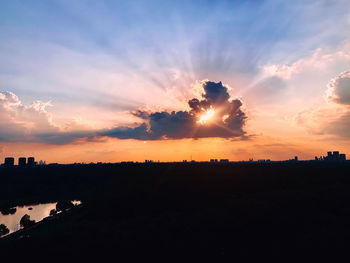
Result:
{"points": [[4, 230], [189, 212]]}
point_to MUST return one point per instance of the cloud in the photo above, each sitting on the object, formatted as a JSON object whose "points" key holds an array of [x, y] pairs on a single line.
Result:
{"points": [[306, 78], [337, 118], [339, 89], [33, 123], [340, 126], [17, 121], [319, 62], [333, 116], [339, 92], [227, 122]]}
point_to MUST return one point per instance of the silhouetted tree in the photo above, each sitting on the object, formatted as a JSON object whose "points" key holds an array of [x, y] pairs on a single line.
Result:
{"points": [[64, 205], [53, 212], [26, 222], [7, 211], [3, 230]]}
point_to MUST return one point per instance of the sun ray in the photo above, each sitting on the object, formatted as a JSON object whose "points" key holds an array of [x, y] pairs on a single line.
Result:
{"points": [[206, 116]]}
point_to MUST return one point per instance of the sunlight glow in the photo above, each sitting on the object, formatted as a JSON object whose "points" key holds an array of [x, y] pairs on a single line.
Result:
{"points": [[207, 116]]}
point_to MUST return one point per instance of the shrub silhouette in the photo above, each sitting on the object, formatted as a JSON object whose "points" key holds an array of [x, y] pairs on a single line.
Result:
{"points": [[26, 222]]}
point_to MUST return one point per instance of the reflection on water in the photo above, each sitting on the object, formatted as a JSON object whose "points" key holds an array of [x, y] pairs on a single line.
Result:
{"points": [[36, 212]]}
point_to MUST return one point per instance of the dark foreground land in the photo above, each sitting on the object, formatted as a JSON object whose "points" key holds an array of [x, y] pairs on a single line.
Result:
{"points": [[185, 212]]}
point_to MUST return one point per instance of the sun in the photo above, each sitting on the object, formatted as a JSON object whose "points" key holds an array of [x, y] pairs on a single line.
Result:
{"points": [[206, 116]]}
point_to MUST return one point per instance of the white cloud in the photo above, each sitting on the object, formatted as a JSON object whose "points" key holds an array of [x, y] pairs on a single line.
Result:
{"points": [[20, 122], [339, 89], [333, 116], [319, 61], [34, 123]]}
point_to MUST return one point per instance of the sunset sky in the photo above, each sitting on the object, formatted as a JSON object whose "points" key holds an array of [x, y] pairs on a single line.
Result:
{"points": [[109, 81]]}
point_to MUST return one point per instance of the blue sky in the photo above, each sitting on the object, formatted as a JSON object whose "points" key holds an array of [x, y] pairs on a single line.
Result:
{"points": [[225, 37], [96, 61], [251, 32]]}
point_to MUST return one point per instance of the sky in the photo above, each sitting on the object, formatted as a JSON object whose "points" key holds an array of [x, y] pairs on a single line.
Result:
{"points": [[110, 81]]}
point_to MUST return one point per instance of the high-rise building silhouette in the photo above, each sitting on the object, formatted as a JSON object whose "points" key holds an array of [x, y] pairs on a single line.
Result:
{"points": [[9, 162], [31, 161], [342, 156], [22, 161], [334, 157]]}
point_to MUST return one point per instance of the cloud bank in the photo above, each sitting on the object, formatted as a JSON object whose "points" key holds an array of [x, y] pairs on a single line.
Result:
{"points": [[227, 122], [33, 123]]}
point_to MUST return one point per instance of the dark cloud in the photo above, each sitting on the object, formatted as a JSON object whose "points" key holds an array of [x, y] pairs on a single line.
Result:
{"points": [[139, 132], [61, 138], [228, 120], [339, 89]]}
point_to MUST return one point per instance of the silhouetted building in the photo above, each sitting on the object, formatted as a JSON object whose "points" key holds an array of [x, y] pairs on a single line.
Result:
{"points": [[334, 157], [213, 160], [224, 161], [22, 161], [342, 156], [9, 162], [31, 161], [41, 162]]}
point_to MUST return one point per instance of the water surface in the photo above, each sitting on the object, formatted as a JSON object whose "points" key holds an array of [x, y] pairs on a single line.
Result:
{"points": [[36, 212]]}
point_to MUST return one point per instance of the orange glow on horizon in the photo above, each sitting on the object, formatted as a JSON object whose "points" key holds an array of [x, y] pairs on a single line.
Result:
{"points": [[203, 149]]}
